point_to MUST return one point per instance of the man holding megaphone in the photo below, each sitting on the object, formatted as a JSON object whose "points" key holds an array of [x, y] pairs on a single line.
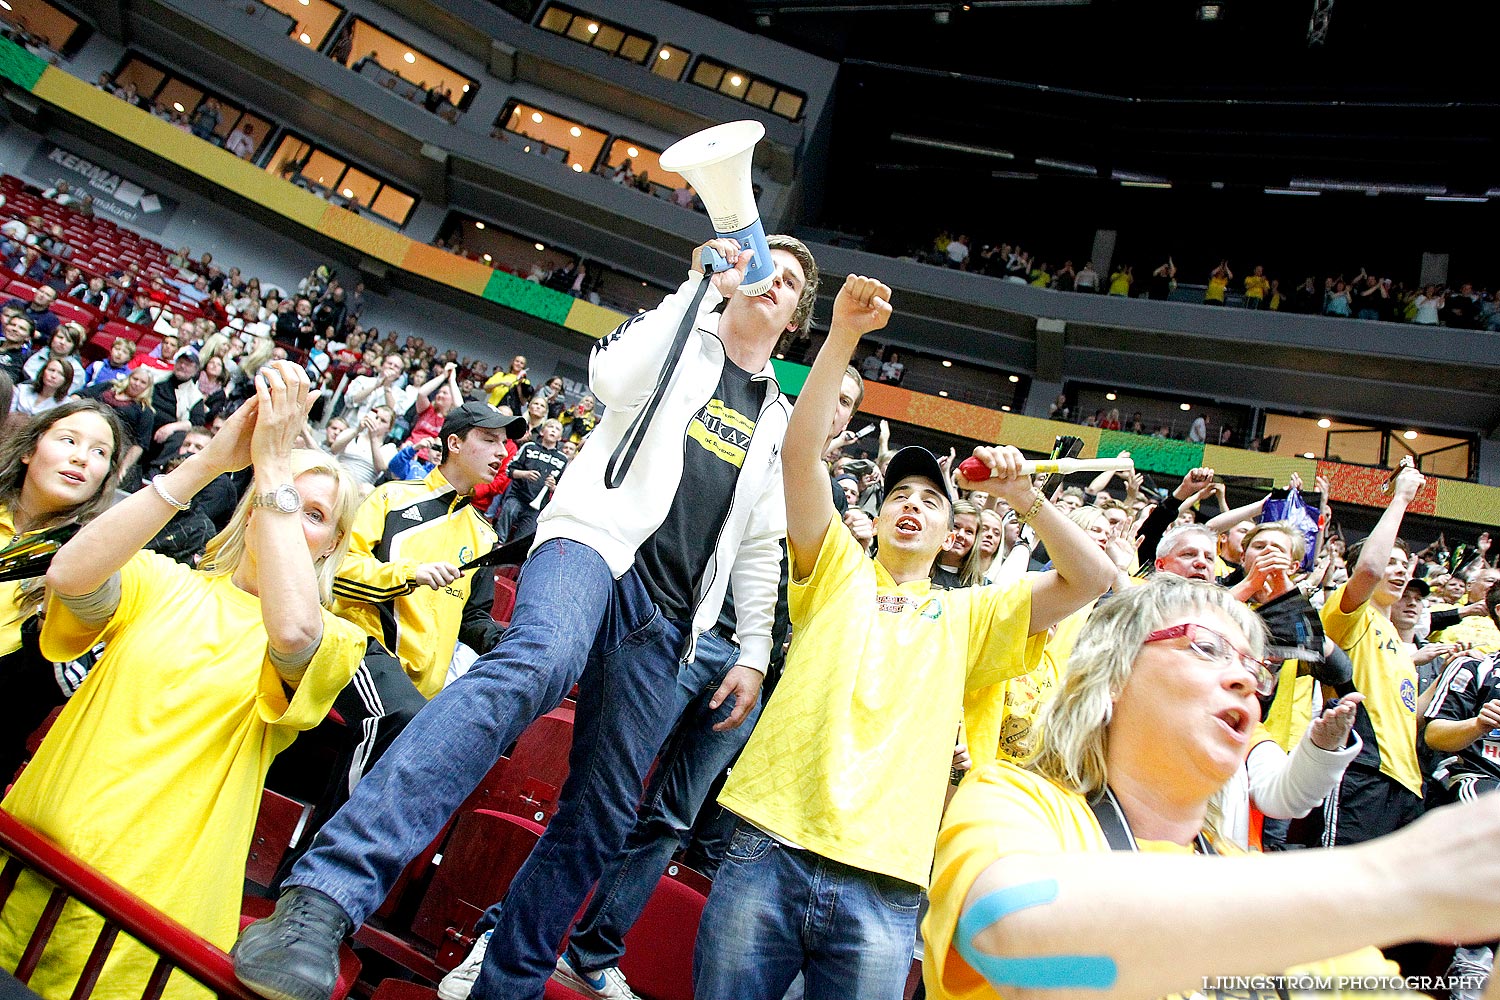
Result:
{"points": [[677, 495]]}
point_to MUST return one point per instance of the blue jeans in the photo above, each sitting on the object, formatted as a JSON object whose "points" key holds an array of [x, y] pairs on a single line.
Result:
{"points": [[514, 518], [693, 757], [775, 911], [570, 612]]}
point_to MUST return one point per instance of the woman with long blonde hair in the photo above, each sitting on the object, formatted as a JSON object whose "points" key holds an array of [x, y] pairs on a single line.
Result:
{"points": [[153, 773], [1095, 869]]}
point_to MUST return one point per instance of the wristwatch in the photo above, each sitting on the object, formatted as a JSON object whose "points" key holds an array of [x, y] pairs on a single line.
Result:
{"points": [[283, 498]]}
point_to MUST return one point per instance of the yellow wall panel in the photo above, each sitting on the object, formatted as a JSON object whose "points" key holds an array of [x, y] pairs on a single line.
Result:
{"points": [[596, 321], [370, 238]]}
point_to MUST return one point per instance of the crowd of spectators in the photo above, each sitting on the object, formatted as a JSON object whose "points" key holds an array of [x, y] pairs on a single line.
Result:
{"points": [[1360, 295], [1386, 630]]}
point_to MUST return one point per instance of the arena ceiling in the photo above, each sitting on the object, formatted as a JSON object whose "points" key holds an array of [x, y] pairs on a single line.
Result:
{"points": [[1233, 93]]}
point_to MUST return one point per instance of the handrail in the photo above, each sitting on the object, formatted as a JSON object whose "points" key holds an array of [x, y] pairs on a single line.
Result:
{"points": [[178, 945]]}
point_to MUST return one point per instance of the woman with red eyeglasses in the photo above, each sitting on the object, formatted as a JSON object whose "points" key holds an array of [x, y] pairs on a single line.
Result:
{"points": [[1098, 868]]}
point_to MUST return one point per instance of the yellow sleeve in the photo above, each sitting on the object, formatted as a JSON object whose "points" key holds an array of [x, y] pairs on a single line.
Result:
{"points": [[362, 577], [1344, 629], [838, 558], [495, 379], [146, 577], [999, 648], [998, 811], [332, 667]]}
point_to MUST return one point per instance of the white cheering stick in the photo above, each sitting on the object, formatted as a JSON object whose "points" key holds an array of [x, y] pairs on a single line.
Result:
{"points": [[976, 472]]}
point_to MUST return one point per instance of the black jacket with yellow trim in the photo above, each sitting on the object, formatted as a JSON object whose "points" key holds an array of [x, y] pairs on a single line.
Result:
{"points": [[401, 526]]}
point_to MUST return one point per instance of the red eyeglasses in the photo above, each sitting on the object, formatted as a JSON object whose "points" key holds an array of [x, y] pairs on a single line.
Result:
{"points": [[1213, 647]]}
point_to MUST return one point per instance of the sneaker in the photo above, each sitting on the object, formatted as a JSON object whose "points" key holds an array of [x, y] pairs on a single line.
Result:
{"points": [[294, 953], [608, 983], [460, 979]]}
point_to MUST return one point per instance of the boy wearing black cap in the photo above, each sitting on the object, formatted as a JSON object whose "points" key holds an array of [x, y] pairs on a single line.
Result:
{"points": [[841, 787], [400, 581]]}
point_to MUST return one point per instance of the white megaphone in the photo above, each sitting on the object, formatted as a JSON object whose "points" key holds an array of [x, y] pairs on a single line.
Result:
{"points": [[716, 162]]}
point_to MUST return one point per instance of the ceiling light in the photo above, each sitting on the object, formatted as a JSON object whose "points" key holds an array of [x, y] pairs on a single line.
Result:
{"points": [[1005, 408], [1067, 166], [575, 132], [1466, 199], [942, 392], [536, 116], [487, 258], [1410, 435], [781, 357], [304, 2], [466, 88], [735, 80], [1325, 423], [1159, 185], [632, 152], [539, 246], [956, 147], [593, 29], [941, 17], [1308, 454], [409, 57], [1015, 378], [578, 168], [947, 364], [178, 106], [1109, 396], [1293, 191], [1185, 406], [305, 38], [348, 193], [478, 225], [664, 55]]}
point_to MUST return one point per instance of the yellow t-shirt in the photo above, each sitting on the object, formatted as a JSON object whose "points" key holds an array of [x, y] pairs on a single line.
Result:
{"points": [[1477, 629], [1119, 283], [1291, 709], [1385, 675], [998, 719], [1003, 811], [851, 757], [1256, 287], [12, 594], [154, 770], [1217, 286]]}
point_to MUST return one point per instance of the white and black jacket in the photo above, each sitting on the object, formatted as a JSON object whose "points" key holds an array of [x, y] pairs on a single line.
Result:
{"points": [[618, 490]]}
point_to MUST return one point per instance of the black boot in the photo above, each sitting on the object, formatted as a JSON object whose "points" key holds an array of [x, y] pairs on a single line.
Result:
{"points": [[294, 953]]}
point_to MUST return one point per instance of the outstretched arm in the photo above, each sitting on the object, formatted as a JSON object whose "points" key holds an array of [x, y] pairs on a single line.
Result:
{"points": [[863, 305], [1366, 574]]}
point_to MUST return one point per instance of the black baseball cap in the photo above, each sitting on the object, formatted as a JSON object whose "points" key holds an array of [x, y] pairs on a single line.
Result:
{"points": [[1421, 586], [915, 460], [470, 415]]}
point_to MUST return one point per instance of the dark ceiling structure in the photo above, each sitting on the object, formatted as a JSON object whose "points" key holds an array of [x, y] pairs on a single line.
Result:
{"points": [[1077, 102]]}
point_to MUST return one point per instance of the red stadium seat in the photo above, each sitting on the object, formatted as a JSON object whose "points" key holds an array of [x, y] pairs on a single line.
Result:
{"points": [[538, 767], [658, 960], [483, 855], [21, 290], [72, 312], [278, 827], [505, 599]]}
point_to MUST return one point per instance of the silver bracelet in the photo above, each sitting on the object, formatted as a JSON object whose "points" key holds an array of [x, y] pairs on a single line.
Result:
{"points": [[161, 492]]}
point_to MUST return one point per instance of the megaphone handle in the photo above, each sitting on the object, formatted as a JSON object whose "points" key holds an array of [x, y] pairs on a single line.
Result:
{"points": [[713, 261]]}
